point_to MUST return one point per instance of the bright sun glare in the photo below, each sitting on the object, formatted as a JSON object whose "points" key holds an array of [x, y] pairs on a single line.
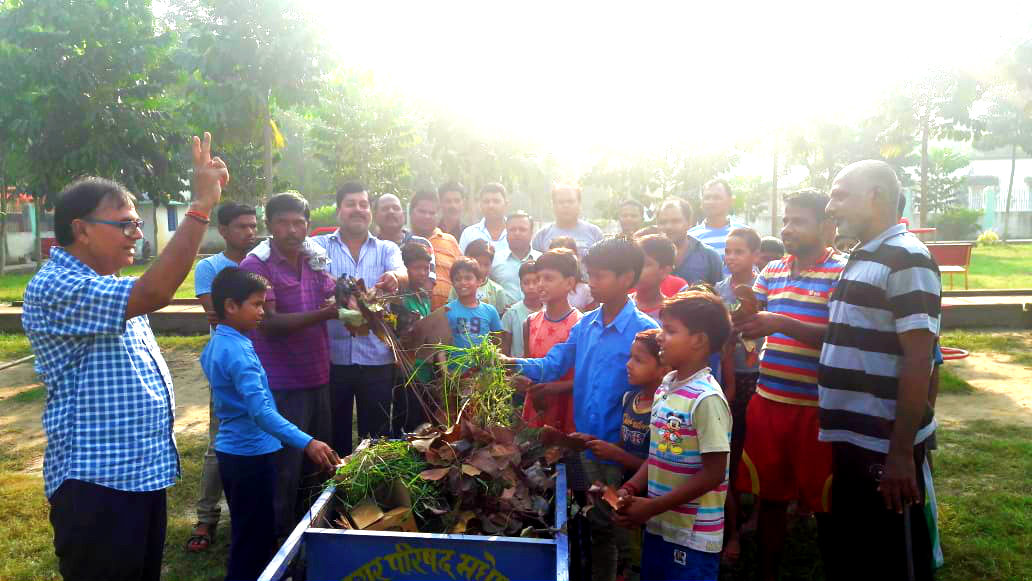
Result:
{"points": [[591, 76]]}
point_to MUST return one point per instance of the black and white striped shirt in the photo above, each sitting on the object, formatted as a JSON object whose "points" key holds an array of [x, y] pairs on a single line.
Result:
{"points": [[889, 286]]}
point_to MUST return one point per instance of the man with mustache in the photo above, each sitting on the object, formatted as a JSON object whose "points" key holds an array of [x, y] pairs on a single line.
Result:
{"points": [[291, 342], [362, 366], [783, 459], [110, 407]]}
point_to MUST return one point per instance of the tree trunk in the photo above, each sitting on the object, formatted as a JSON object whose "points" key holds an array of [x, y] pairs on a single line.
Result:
{"points": [[267, 148], [1010, 190], [774, 192], [924, 173]]}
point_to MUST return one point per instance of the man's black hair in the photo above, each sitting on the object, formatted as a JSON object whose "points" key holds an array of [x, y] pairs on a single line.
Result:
{"points": [[232, 210], [703, 312], [493, 188], [422, 196], [520, 214], [618, 255], [81, 198], [902, 205], [721, 183], [810, 199], [414, 252], [687, 211], [287, 202], [237, 284], [349, 188], [772, 245], [451, 187]]}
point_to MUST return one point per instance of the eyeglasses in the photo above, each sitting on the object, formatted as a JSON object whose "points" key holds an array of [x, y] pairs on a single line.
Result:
{"points": [[129, 227]]}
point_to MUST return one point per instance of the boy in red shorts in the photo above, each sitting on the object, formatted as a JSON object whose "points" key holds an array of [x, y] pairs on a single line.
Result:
{"points": [[783, 460]]}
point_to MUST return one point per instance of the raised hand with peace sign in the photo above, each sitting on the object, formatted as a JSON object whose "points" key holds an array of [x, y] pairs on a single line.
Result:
{"points": [[210, 175]]}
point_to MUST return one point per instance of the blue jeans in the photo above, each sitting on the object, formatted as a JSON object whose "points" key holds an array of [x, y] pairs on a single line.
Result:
{"points": [[663, 561]]}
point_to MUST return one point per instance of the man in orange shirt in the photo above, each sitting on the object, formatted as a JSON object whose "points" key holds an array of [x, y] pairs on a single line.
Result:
{"points": [[423, 210]]}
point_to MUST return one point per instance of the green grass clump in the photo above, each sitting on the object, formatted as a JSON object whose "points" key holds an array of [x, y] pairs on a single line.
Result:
{"points": [[1001, 266], [369, 471], [950, 383], [1017, 345], [488, 389]]}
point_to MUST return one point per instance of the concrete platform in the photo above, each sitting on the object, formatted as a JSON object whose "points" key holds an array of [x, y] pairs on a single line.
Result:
{"points": [[974, 309], [175, 319]]}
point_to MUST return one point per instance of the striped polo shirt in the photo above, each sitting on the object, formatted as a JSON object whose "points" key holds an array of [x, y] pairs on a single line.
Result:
{"points": [[788, 367], [890, 286], [715, 238]]}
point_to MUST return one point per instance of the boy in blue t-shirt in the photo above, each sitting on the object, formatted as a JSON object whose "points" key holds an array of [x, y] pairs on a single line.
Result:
{"points": [[250, 428], [470, 320]]}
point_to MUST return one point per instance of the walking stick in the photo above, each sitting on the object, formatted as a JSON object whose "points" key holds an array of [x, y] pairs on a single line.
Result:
{"points": [[908, 542]]}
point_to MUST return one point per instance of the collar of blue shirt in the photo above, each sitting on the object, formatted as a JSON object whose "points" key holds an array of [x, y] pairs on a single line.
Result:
{"points": [[619, 322], [227, 331], [370, 239]]}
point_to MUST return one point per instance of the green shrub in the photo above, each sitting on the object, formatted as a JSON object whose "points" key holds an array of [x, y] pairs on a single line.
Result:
{"points": [[324, 216], [957, 223], [988, 238]]}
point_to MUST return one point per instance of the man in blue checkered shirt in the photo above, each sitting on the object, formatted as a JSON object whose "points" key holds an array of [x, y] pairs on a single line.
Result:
{"points": [[109, 411]]}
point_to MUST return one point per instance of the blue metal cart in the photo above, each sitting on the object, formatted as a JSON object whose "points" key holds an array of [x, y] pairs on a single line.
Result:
{"points": [[339, 554]]}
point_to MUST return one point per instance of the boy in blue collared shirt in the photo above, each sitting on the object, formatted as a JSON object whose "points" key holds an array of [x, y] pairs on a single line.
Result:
{"points": [[250, 428], [598, 348]]}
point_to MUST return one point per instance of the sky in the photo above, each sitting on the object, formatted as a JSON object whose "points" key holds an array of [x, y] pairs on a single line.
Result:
{"points": [[579, 78]]}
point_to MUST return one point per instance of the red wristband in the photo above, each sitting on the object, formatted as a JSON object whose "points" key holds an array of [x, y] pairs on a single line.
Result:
{"points": [[200, 217], [630, 488]]}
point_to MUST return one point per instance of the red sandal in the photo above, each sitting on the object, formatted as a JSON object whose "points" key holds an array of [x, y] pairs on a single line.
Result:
{"points": [[200, 542]]}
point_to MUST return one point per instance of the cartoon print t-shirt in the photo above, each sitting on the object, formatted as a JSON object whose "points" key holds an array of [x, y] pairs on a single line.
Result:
{"points": [[690, 417]]}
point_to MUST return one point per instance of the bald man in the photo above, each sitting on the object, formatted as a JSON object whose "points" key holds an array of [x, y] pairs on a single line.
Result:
{"points": [[873, 381]]}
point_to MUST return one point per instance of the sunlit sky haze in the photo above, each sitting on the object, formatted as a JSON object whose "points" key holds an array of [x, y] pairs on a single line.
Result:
{"points": [[581, 78]]}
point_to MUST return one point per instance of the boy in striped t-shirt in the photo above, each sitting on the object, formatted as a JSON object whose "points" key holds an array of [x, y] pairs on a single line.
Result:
{"points": [[783, 459], [685, 477]]}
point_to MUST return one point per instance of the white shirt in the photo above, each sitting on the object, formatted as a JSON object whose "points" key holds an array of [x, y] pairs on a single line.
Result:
{"points": [[479, 231]]}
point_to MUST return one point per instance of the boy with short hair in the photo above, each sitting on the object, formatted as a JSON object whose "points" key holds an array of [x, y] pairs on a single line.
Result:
{"points": [[489, 291], [656, 283], [679, 493], [771, 249], [471, 321], [599, 346], [741, 366], [250, 428], [514, 319], [550, 403]]}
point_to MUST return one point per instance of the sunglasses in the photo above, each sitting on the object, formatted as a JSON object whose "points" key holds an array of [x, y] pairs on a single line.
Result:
{"points": [[129, 227]]}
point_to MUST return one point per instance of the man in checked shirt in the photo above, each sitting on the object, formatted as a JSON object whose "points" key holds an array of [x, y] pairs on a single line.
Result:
{"points": [[108, 418]]}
